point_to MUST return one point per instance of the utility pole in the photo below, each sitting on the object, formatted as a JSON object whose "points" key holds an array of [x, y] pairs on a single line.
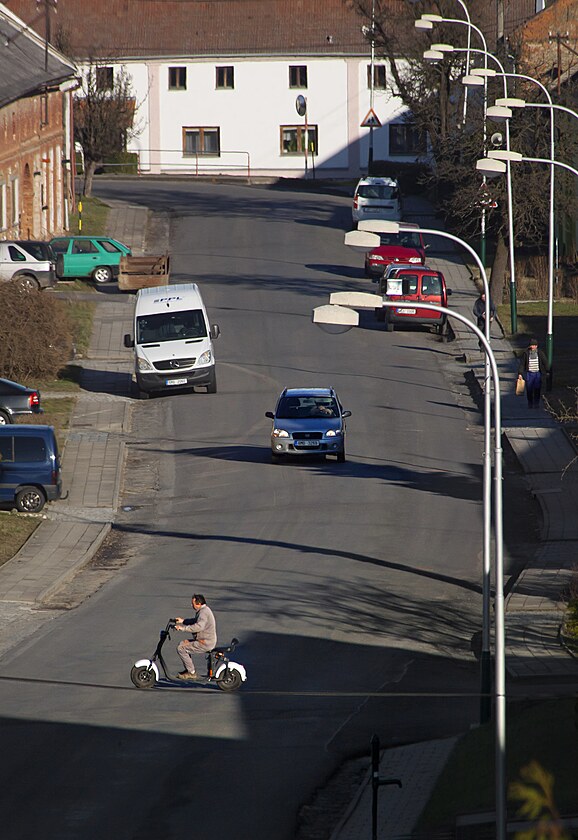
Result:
{"points": [[48, 6], [558, 37]]}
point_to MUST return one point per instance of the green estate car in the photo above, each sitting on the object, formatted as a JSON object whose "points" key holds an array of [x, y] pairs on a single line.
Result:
{"points": [[96, 257]]}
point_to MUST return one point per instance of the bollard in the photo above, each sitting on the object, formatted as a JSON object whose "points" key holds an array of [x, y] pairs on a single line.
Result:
{"points": [[376, 783]]}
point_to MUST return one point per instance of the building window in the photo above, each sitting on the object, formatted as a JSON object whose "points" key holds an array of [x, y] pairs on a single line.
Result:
{"points": [[378, 76], [177, 78], [293, 139], [406, 139], [225, 78], [104, 78], [298, 76], [201, 141]]}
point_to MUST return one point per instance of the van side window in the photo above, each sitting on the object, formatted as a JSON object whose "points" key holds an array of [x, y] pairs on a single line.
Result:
{"points": [[29, 449], [6, 448]]}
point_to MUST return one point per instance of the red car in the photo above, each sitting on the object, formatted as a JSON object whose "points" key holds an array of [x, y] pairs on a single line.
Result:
{"points": [[407, 246]]}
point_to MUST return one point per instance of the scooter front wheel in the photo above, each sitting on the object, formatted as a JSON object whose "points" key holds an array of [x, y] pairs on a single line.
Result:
{"points": [[230, 681], [143, 677]]}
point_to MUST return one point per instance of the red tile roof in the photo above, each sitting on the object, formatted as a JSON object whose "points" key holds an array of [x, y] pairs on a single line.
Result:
{"points": [[114, 28]]}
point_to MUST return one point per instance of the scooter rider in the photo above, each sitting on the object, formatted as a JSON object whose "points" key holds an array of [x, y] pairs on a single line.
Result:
{"points": [[203, 627]]}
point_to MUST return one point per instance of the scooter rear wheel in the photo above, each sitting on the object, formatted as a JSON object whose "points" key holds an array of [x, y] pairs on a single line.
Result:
{"points": [[230, 681], [143, 677]]}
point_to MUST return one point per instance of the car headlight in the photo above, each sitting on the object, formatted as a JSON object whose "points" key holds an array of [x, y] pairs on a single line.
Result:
{"points": [[376, 257], [333, 433], [279, 433], [415, 259], [143, 364], [205, 358]]}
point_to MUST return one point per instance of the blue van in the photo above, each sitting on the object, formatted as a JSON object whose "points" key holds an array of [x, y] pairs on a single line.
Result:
{"points": [[29, 467]]}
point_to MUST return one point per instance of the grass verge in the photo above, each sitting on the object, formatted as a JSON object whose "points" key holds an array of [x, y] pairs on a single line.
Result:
{"points": [[532, 321], [94, 216], [544, 731], [15, 528]]}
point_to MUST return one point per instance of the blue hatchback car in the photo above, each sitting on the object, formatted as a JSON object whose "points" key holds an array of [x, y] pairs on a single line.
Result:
{"points": [[29, 467], [308, 421]]}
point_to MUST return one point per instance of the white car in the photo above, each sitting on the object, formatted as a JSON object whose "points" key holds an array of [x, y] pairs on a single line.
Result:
{"points": [[377, 198]]}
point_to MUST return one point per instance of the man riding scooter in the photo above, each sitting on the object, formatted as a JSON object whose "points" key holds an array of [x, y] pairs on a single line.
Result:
{"points": [[203, 627]]}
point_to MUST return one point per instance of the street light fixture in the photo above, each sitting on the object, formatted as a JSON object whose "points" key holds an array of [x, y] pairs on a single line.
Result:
{"points": [[371, 227], [321, 316]]}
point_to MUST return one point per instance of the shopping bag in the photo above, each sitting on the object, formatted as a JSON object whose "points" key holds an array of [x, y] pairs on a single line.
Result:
{"points": [[520, 387]]}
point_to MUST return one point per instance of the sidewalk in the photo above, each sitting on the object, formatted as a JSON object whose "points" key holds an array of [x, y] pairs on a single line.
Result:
{"points": [[533, 608], [93, 458]]}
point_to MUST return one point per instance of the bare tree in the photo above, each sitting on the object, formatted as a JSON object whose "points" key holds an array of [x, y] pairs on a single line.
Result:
{"points": [[434, 97], [103, 116]]}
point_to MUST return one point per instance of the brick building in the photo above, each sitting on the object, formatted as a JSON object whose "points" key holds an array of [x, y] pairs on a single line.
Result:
{"points": [[35, 133]]}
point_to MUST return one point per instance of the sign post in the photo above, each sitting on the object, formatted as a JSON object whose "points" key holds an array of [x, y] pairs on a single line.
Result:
{"points": [[301, 107]]}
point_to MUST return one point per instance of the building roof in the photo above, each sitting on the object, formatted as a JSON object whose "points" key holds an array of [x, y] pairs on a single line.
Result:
{"points": [[148, 28], [26, 66]]}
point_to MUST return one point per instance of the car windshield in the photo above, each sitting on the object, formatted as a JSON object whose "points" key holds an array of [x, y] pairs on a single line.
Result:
{"points": [[298, 407], [405, 239], [377, 191], [39, 250], [170, 326]]}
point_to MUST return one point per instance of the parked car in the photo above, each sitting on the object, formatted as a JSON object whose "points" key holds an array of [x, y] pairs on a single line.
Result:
{"points": [[413, 284], [377, 198], [28, 262], [16, 400], [308, 421], [29, 467], [407, 246], [94, 257]]}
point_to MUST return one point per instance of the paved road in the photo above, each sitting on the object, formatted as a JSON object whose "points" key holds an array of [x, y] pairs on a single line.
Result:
{"points": [[342, 581]]}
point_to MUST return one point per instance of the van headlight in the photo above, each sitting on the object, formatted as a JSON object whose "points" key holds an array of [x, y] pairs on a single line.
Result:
{"points": [[333, 433], [279, 433], [143, 364], [205, 358]]}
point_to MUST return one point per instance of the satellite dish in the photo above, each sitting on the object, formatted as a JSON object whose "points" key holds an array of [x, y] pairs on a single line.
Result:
{"points": [[301, 105]]}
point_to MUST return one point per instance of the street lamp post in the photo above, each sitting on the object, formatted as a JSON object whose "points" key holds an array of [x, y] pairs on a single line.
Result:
{"points": [[507, 104], [436, 53], [331, 314], [365, 229], [426, 22], [494, 164]]}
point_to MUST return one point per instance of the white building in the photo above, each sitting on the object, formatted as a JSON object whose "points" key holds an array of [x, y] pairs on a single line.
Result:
{"points": [[216, 84]]}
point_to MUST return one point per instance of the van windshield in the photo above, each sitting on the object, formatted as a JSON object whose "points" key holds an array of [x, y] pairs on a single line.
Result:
{"points": [[170, 326]]}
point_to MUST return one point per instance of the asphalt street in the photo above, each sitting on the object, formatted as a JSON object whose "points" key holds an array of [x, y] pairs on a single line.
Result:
{"points": [[344, 582]]}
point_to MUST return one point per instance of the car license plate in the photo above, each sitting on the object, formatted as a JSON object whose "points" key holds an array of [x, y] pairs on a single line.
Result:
{"points": [[307, 443], [406, 311], [176, 381]]}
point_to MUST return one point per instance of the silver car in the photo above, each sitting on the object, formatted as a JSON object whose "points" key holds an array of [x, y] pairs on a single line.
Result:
{"points": [[308, 421]]}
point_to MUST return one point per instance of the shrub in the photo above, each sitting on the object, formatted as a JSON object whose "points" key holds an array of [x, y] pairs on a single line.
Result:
{"points": [[36, 334]]}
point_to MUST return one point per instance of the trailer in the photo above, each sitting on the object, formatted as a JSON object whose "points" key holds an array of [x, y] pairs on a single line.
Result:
{"points": [[141, 272]]}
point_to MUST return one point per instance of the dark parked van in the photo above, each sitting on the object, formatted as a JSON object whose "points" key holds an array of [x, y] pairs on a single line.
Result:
{"points": [[29, 467]]}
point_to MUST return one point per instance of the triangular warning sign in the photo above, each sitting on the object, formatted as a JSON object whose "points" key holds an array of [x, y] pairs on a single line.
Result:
{"points": [[371, 120]]}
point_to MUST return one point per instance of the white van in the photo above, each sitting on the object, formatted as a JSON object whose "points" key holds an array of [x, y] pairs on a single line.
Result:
{"points": [[172, 340], [376, 198]]}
